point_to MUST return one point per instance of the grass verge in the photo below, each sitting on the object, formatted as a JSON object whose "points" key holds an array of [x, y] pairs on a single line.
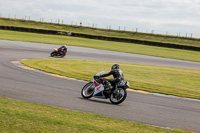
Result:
{"points": [[188, 41], [165, 80], [99, 44], [23, 117]]}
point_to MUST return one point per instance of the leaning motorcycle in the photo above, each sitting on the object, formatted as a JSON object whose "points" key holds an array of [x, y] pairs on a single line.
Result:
{"points": [[97, 89], [57, 53]]}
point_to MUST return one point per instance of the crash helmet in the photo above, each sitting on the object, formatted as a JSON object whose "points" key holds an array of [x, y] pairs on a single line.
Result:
{"points": [[115, 66]]}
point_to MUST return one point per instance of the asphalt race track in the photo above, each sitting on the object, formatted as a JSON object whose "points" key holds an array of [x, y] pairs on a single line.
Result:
{"points": [[36, 87]]}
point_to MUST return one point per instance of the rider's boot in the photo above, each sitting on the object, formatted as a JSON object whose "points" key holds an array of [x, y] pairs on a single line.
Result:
{"points": [[107, 86]]}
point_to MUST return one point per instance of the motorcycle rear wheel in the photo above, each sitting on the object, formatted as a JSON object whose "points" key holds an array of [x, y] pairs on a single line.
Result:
{"points": [[88, 90], [118, 96], [62, 55]]}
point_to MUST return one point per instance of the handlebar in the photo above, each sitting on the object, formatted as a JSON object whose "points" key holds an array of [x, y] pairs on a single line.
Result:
{"points": [[98, 79]]}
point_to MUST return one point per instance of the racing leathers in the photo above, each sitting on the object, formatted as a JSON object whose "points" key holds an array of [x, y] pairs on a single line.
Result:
{"points": [[62, 48], [117, 75]]}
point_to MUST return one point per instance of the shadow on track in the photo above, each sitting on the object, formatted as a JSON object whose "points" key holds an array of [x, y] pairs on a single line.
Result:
{"points": [[98, 101]]}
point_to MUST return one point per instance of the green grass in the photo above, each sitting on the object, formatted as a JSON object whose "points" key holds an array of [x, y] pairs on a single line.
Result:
{"points": [[165, 80], [99, 44], [101, 32], [23, 117]]}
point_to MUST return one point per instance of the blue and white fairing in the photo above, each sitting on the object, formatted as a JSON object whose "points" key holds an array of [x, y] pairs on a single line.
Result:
{"points": [[98, 90]]}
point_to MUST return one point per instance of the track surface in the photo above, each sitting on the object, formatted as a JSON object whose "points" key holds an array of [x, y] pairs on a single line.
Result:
{"points": [[22, 84]]}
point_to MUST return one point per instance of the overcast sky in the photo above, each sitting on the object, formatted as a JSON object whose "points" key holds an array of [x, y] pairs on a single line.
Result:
{"points": [[162, 16]]}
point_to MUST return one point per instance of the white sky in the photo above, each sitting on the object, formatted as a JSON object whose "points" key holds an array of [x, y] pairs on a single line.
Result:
{"points": [[163, 16]]}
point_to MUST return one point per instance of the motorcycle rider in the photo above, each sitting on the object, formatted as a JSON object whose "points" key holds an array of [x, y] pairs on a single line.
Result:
{"points": [[117, 75], [64, 48]]}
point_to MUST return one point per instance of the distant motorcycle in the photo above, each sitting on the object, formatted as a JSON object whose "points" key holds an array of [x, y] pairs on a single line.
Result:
{"points": [[96, 89], [56, 52]]}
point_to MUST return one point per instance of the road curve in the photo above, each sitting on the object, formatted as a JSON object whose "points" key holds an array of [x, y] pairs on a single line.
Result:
{"points": [[36, 87]]}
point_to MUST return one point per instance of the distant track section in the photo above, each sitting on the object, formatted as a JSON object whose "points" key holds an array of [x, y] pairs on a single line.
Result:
{"points": [[160, 44]]}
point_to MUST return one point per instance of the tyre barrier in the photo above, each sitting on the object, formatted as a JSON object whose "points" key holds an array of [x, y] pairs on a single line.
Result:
{"points": [[160, 44], [23, 29]]}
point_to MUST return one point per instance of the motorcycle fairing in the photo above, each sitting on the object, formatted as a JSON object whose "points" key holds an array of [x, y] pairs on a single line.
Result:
{"points": [[98, 90], [100, 94]]}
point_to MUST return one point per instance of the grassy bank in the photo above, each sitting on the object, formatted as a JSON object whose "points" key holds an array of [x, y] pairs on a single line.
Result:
{"points": [[23, 117], [99, 44], [166, 80], [101, 32]]}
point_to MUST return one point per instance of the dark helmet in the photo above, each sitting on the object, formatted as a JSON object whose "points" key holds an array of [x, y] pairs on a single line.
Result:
{"points": [[115, 66]]}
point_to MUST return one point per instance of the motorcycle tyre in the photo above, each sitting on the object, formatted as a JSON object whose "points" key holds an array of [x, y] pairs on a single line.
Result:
{"points": [[62, 55], [124, 97], [52, 54], [83, 89]]}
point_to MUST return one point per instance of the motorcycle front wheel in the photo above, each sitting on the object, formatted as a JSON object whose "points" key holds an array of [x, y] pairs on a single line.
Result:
{"points": [[118, 96], [88, 90], [52, 54]]}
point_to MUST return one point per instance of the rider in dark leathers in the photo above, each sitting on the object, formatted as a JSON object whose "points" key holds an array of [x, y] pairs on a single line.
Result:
{"points": [[117, 75], [64, 48]]}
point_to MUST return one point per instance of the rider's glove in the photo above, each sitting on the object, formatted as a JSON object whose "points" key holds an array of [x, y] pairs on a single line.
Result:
{"points": [[96, 76]]}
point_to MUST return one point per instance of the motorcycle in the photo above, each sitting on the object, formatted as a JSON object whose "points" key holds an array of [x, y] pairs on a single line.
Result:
{"points": [[97, 89], [57, 53]]}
